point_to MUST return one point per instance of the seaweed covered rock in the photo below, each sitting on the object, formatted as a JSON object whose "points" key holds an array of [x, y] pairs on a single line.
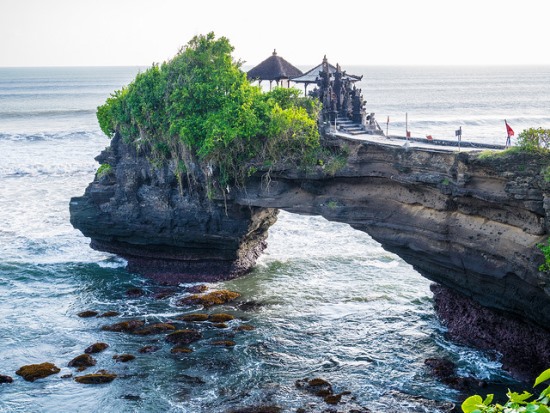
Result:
{"points": [[197, 317], [99, 377], [96, 348], [87, 314], [123, 358], [157, 328], [220, 318], [124, 326], [180, 350], [183, 336], [33, 372], [82, 362], [107, 314], [209, 299], [224, 343]]}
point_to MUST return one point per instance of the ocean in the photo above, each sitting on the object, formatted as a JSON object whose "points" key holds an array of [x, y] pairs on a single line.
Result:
{"points": [[326, 301]]}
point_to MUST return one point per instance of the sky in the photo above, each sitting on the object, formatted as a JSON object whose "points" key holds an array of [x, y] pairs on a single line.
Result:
{"points": [[350, 32]]}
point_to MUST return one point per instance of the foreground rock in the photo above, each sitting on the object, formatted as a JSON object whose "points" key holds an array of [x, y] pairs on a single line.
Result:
{"points": [[82, 362], [34, 372], [5, 379], [100, 377], [525, 347]]}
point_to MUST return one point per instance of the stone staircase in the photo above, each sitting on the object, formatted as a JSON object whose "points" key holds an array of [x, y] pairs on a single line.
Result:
{"points": [[348, 126]]}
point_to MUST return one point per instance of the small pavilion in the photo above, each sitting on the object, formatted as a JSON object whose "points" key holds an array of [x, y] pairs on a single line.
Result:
{"points": [[312, 75], [274, 68]]}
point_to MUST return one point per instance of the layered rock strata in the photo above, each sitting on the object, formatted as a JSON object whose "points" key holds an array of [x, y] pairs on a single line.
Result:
{"points": [[467, 222]]}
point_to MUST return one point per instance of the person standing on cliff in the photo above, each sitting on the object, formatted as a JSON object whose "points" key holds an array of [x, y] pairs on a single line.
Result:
{"points": [[509, 133]]}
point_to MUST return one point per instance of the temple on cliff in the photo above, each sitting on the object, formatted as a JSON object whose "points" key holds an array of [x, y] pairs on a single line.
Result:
{"points": [[343, 104]]}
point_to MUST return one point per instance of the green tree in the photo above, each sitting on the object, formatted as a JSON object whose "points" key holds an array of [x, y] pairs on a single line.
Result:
{"points": [[199, 107]]}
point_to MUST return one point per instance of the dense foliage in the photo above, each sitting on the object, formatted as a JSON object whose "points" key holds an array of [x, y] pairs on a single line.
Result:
{"points": [[534, 139], [517, 403], [200, 109]]}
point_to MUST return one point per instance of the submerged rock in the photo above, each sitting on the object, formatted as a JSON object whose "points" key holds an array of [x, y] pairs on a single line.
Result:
{"points": [[157, 328], [33, 372], [100, 377], [82, 362], [96, 348], [224, 343], [220, 318], [124, 326], [123, 358], [183, 336], [209, 299], [135, 292], [180, 350], [5, 379], [109, 314], [197, 317], [87, 314], [244, 327], [148, 349]]}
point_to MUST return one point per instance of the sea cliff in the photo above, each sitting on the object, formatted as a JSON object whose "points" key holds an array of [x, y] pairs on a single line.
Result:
{"points": [[470, 223]]}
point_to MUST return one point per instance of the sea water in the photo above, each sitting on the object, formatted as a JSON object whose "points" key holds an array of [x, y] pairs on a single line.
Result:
{"points": [[325, 300]]}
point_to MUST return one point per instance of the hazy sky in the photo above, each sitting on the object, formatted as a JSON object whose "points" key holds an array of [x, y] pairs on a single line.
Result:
{"points": [[388, 32]]}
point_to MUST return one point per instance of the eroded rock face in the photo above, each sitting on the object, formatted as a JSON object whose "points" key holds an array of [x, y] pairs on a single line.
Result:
{"points": [[469, 223], [170, 232]]}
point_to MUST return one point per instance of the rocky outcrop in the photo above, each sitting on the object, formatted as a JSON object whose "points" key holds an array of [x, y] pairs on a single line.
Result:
{"points": [[468, 222], [166, 230]]}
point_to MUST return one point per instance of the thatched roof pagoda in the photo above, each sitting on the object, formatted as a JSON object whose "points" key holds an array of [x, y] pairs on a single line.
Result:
{"points": [[274, 68]]}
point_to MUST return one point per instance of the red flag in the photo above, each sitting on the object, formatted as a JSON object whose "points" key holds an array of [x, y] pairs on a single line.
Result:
{"points": [[509, 130]]}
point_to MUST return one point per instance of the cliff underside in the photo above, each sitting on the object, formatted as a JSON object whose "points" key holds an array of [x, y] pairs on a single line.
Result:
{"points": [[469, 223]]}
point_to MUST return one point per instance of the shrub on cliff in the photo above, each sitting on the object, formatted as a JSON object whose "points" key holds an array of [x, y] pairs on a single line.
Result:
{"points": [[199, 108], [534, 140]]}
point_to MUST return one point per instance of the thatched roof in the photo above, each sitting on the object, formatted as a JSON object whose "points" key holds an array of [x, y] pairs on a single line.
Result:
{"points": [[273, 68]]}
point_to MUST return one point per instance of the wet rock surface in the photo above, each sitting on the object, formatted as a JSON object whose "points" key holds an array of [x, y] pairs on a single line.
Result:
{"points": [[96, 348], [470, 223], [82, 362], [5, 379], [99, 377], [34, 372]]}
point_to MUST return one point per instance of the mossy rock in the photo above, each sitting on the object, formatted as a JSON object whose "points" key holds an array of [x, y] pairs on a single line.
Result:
{"points": [[224, 343], [209, 299], [123, 358], [180, 350], [100, 377], [108, 314], [87, 314], [82, 362], [5, 379], [220, 325], [96, 348], [124, 326], [220, 318], [157, 328], [197, 317], [33, 372], [183, 336], [148, 349]]}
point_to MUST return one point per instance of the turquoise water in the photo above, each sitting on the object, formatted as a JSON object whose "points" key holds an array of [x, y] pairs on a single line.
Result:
{"points": [[325, 300]]}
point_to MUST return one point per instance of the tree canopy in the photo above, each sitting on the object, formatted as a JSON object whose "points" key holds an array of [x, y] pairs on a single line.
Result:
{"points": [[200, 105]]}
